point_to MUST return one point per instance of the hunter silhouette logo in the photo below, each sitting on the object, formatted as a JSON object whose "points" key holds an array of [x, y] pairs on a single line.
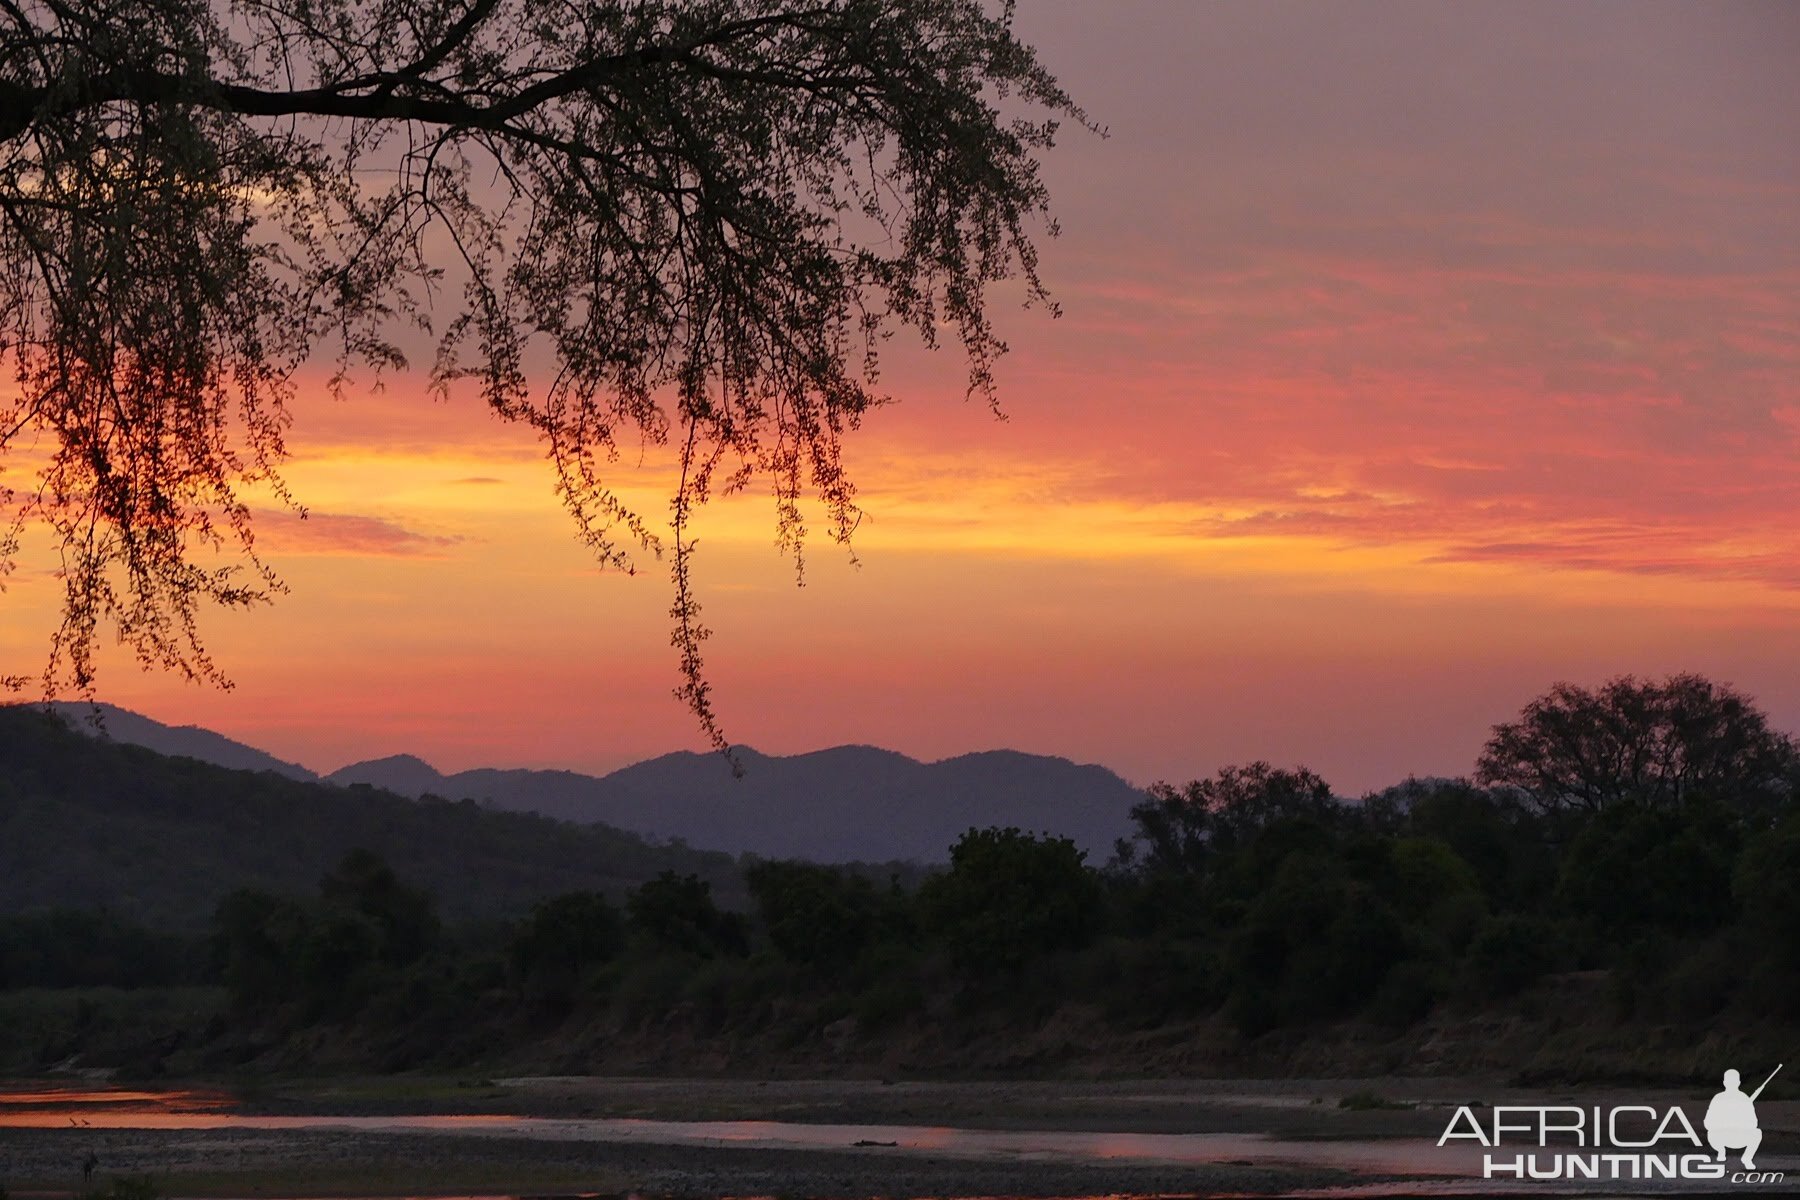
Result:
{"points": [[1731, 1119], [1625, 1141]]}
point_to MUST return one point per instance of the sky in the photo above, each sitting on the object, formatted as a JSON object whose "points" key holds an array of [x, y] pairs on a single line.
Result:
{"points": [[1413, 357]]}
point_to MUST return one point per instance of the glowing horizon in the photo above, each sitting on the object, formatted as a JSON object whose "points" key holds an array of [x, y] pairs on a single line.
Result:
{"points": [[1462, 358]]}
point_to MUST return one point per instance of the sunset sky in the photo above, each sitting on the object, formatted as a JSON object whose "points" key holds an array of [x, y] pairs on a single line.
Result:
{"points": [[1414, 356]]}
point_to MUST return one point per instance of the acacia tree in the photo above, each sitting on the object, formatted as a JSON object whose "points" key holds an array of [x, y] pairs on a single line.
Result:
{"points": [[682, 222], [1657, 743]]}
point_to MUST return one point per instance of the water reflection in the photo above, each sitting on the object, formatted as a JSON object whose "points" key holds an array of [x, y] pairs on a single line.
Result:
{"points": [[78, 1099], [50, 1108]]}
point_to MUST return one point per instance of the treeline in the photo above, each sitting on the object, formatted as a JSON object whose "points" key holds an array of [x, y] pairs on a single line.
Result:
{"points": [[73, 947], [1649, 829]]}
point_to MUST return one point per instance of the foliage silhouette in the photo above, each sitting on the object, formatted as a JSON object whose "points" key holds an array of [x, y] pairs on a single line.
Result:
{"points": [[1009, 897], [1659, 743], [564, 941], [685, 223], [677, 912], [818, 916], [403, 918], [67, 947], [1641, 868], [1180, 830]]}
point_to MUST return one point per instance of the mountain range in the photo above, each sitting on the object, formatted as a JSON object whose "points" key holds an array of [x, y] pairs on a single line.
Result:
{"points": [[848, 803]]}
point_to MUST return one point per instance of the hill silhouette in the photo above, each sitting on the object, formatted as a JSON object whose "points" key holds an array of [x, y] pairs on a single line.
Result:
{"points": [[845, 804], [109, 721], [95, 823]]}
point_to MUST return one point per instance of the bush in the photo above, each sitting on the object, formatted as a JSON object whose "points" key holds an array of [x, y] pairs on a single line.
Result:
{"points": [[1145, 982], [403, 918], [1506, 954], [1408, 994], [818, 917], [1702, 982], [713, 991], [562, 943], [1489, 830], [1766, 885], [1633, 868], [1008, 898], [1428, 880], [256, 943], [1314, 944], [891, 1000], [676, 912], [651, 989], [72, 947]]}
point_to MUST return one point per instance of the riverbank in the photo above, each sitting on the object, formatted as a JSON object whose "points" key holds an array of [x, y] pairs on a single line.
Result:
{"points": [[336, 1163], [537, 1135], [1564, 1031], [815, 1138]]}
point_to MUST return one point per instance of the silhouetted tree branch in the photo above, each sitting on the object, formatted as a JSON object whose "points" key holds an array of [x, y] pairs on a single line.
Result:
{"points": [[617, 220]]}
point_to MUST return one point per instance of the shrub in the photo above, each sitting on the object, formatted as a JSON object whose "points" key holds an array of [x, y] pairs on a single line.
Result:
{"points": [[1008, 898], [1632, 868], [677, 912], [1506, 954], [562, 943], [816, 916], [1314, 944], [1408, 994]]}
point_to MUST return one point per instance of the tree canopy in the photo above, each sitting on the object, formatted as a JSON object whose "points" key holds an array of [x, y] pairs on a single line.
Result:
{"points": [[684, 223], [1658, 743], [1179, 830]]}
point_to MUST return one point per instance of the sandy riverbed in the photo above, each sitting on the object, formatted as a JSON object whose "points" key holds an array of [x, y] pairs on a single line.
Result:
{"points": [[301, 1159]]}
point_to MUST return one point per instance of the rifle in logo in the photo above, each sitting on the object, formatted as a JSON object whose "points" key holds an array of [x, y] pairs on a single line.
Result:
{"points": [[1731, 1119]]}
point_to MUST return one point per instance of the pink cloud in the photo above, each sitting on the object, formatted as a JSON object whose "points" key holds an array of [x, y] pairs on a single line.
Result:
{"points": [[345, 534]]}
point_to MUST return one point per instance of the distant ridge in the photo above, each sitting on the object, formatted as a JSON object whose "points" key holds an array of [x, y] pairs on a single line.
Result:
{"points": [[402, 774], [177, 741], [844, 804]]}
